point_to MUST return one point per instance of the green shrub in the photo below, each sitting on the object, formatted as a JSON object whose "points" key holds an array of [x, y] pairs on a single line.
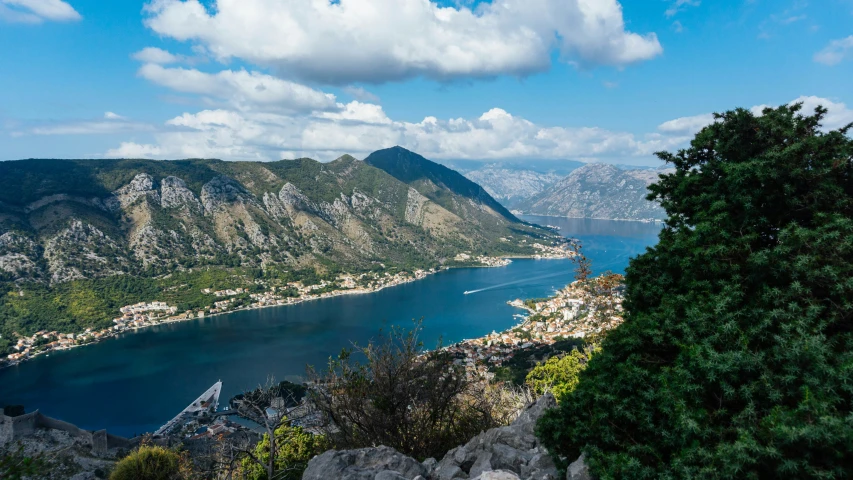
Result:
{"points": [[14, 465], [294, 448], [148, 462], [559, 375], [736, 354], [420, 403]]}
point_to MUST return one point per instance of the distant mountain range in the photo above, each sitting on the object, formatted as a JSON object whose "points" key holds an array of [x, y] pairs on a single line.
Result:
{"points": [[511, 182], [567, 188], [597, 191]]}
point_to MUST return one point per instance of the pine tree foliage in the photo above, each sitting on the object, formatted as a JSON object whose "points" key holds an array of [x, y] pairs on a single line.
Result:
{"points": [[735, 359]]}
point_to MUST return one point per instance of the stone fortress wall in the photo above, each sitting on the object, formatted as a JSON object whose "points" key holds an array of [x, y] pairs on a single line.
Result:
{"points": [[15, 428]]}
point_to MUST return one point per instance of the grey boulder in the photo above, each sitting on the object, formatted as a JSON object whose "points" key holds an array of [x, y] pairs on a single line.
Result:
{"points": [[379, 463]]}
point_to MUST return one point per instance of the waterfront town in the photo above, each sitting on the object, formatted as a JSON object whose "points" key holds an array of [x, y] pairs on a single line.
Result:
{"points": [[146, 314], [571, 312]]}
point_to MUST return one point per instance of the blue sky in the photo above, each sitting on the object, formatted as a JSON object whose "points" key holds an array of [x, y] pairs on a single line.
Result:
{"points": [[594, 80]]}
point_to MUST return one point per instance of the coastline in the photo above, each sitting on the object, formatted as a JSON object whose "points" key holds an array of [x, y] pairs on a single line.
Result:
{"points": [[176, 319], [111, 333], [546, 252], [655, 221]]}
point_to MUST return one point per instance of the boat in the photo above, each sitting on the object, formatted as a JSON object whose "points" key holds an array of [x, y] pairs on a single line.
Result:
{"points": [[467, 292], [206, 404]]}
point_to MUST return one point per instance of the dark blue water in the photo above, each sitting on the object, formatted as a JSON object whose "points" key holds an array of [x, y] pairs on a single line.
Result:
{"points": [[135, 383]]}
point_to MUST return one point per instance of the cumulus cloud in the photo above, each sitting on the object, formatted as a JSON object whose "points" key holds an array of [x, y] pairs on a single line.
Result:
{"points": [[358, 112], [241, 89], [37, 11], [838, 115], [835, 52], [157, 56], [113, 116], [691, 124], [361, 94], [345, 41], [360, 128]]}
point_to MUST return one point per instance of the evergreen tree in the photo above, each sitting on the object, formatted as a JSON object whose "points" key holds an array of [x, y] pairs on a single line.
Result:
{"points": [[735, 359]]}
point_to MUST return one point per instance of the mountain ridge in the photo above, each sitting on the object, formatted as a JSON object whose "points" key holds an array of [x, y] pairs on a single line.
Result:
{"points": [[231, 207], [600, 191], [80, 238], [425, 175]]}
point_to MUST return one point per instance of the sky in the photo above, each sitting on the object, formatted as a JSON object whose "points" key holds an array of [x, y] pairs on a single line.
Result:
{"points": [[590, 80]]}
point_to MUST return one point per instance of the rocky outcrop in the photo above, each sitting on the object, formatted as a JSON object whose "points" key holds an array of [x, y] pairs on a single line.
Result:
{"points": [[294, 200], [220, 191], [81, 249], [578, 470], [379, 463], [174, 193], [16, 256], [414, 207], [141, 186], [513, 448], [505, 453]]}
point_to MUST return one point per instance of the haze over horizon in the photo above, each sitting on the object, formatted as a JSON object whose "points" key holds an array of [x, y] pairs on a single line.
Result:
{"points": [[594, 81]]}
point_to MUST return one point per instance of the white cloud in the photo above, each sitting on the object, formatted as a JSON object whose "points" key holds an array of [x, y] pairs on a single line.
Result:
{"points": [[361, 94], [264, 132], [358, 112], [241, 89], [679, 5], [113, 116], [835, 52], [157, 56], [838, 115], [37, 11], [135, 150], [362, 128], [345, 41], [688, 125], [110, 125]]}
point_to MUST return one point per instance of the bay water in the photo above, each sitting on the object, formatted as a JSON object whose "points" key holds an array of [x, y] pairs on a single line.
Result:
{"points": [[136, 382]]}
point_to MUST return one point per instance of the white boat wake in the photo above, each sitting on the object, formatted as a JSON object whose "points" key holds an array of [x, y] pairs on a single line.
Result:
{"points": [[568, 272]]}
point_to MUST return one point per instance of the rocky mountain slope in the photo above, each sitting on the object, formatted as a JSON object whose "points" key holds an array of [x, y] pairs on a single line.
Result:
{"points": [[598, 191], [512, 186], [68, 220], [440, 184], [513, 181]]}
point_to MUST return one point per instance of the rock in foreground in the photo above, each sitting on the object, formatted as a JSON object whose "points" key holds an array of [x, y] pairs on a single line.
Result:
{"points": [[503, 453]]}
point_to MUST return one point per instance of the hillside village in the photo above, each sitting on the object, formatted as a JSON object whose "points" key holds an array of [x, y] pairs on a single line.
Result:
{"points": [[569, 313]]}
